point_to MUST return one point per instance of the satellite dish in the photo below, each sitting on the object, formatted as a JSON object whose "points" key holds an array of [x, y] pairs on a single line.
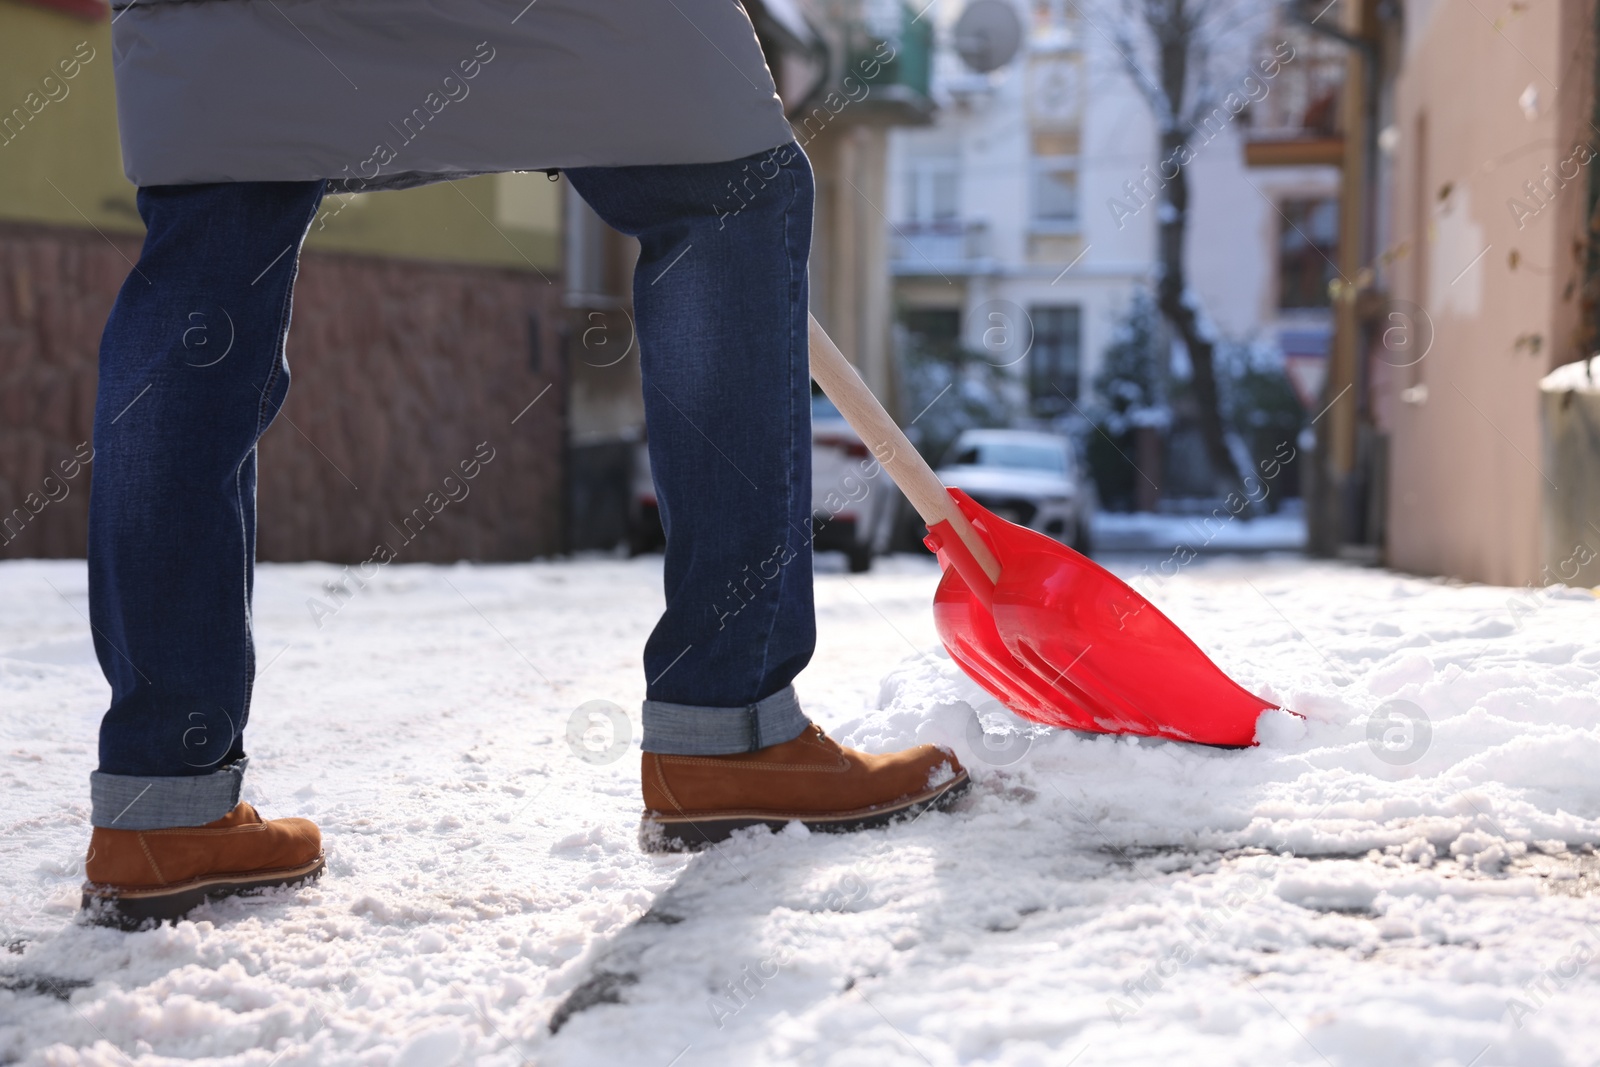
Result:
{"points": [[988, 35]]}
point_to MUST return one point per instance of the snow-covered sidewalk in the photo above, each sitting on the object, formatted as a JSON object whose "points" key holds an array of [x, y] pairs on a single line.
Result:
{"points": [[1408, 877], [1207, 533]]}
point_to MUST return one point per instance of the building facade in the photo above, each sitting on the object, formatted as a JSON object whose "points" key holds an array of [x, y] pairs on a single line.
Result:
{"points": [[1468, 269], [1026, 215], [425, 323], [1487, 208]]}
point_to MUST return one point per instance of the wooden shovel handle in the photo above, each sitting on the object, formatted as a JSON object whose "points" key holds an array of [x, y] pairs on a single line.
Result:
{"points": [[880, 434]]}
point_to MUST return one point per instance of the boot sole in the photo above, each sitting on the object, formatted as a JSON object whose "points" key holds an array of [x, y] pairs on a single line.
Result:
{"points": [[131, 909], [683, 833]]}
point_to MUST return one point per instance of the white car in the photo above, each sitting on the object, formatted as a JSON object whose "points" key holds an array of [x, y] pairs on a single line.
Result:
{"points": [[854, 502], [1027, 477]]}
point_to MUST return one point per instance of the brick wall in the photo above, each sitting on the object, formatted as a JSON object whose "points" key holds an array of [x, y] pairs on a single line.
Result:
{"points": [[401, 370]]}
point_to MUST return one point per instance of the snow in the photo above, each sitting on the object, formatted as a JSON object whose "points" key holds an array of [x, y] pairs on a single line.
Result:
{"points": [[1580, 377], [1208, 532], [1404, 876]]}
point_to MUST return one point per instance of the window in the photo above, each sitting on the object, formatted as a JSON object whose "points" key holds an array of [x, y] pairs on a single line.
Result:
{"points": [[1049, 13], [1308, 245], [1013, 457], [933, 193], [934, 330], [1053, 360], [883, 18], [1055, 193]]}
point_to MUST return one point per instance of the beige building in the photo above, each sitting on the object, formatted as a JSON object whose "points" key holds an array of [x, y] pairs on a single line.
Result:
{"points": [[1467, 269], [1489, 267]]}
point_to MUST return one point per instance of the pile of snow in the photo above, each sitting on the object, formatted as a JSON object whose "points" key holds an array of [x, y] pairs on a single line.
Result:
{"points": [[1580, 377], [1404, 876], [1143, 531]]}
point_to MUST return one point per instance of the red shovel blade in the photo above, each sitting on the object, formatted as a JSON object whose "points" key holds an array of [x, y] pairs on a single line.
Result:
{"points": [[1064, 642]]}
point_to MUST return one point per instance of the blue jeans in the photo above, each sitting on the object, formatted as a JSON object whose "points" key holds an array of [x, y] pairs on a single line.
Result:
{"points": [[720, 299]]}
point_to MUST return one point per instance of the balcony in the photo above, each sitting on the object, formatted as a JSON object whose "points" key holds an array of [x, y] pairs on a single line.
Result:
{"points": [[900, 89], [866, 60], [1299, 121], [946, 246]]}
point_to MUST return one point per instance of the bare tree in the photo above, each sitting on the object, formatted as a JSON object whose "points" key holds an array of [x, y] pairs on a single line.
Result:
{"points": [[1170, 49]]}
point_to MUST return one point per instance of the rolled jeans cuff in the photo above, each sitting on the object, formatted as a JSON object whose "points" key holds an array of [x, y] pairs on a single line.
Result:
{"points": [[691, 730], [125, 802]]}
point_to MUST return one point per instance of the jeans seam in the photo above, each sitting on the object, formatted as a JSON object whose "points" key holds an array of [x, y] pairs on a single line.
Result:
{"points": [[788, 447], [248, 670], [263, 420]]}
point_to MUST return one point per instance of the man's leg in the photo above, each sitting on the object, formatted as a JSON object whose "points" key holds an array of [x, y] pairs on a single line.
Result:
{"points": [[720, 296], [192, 372], [720, 300]]}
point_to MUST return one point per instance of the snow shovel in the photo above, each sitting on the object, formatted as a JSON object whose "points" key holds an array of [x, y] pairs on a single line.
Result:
{"points": [[1055, 637]]}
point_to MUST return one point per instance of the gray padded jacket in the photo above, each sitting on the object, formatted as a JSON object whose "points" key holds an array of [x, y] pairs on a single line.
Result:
{"points": [[387, 93]]}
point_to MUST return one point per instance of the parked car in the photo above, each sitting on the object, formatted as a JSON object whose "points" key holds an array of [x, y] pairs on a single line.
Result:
{"points": [[854, 503], [644, 515], [1031, 478]]}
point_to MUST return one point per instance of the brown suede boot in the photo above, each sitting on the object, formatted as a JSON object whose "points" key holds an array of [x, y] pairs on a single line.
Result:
{"points": [[135, 876], [692, 801]]}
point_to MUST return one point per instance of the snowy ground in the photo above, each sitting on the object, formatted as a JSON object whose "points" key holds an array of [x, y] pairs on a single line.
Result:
{"points": [[1206, 532], [1406, 878]]}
